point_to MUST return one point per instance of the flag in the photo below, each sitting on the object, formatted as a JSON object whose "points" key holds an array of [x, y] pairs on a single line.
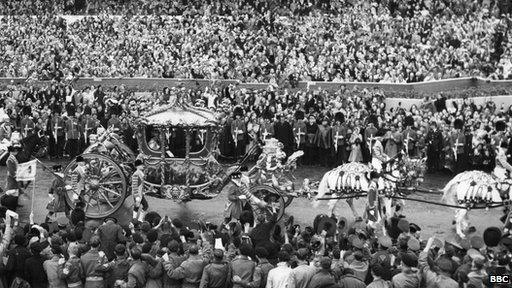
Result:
{"points": [[26, 171]]}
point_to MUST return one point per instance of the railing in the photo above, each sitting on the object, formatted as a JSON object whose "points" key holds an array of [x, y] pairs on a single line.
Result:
{"points": [[481, 87]]}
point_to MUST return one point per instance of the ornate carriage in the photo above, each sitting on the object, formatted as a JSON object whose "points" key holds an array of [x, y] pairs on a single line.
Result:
{"points": [[178, 144]]}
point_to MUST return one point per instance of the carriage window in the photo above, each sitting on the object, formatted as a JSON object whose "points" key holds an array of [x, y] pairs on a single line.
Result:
{"points": [[177, 141], [153, 138]]}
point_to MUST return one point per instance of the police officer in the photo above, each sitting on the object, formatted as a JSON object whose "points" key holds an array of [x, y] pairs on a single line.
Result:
{"points": [[138, 191]]}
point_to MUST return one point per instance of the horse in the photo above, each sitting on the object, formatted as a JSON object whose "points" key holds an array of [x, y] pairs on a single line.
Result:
{"points": [[474, 189], [353, 179]]}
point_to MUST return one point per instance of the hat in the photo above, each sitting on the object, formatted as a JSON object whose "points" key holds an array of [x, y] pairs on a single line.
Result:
{"points": [[413, 244], [385, 241], [79, 158], [299, 115], [409, 121], [339, 117], [238, 111], [500, 126], [476, 242], [403, 225], [62, 221], [414, 228], [504, 144], [492, 236], [458, 123], [114, 219]]}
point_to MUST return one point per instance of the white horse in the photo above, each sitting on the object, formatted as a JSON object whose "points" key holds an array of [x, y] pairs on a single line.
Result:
{"points": [[476, 189], [353, 178]]}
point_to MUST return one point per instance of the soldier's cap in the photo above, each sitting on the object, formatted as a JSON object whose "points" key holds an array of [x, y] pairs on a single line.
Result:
{"points": [[79, 158], [62, 221]]}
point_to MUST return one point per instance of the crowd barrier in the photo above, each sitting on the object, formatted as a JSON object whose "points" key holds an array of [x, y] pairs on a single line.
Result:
{"points": [[406, 94]]}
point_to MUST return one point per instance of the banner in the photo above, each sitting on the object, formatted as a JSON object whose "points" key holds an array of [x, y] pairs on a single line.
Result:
{"points": [[27, 171]]}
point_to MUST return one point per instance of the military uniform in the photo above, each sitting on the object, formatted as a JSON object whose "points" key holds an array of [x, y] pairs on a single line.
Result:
{"points": [[12, 167], [72, 135], [310, 151], [72, 272], [457, 143], [339, 140], [5, 131], [299, 134], [502, 168], [27, 127], [238, 130], [57, 136], [371, 210], [138, 194]]}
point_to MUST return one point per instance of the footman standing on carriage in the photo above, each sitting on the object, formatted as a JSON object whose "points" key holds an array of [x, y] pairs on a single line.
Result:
{"points": [[339, 135], [139, 201], [238, 130]]}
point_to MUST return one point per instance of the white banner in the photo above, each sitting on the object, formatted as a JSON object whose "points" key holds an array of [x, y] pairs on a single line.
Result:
{"points": [[27, 171]]}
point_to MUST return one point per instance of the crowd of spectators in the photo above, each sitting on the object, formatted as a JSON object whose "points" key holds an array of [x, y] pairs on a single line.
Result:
{"points": [[364, 41], [164, 252]]}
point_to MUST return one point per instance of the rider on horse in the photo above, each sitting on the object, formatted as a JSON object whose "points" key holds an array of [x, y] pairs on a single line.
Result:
{"points": [[502, 169]]}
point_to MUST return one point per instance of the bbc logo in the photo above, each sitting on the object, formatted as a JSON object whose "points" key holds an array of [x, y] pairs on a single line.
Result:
{"points": [[503, 279]]}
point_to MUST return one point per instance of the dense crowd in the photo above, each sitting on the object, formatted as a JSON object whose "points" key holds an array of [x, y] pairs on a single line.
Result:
{"points": [[370, 42], [331, 127], [163, 252]]}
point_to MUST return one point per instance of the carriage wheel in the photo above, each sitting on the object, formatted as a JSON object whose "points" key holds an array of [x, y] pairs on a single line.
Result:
{"points": [[105, 186], [275, 201]]}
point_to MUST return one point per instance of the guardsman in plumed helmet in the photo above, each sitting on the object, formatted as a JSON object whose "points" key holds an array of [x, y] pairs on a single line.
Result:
{"points": [[457, 143], [339, 139], [310, 151], [238, 130], [299, 130], [72, 133], [267, 129], [27, 124], [410, 136], [57, 134], [139, 201]]}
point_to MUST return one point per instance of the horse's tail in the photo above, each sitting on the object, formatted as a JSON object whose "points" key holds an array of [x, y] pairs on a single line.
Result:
{"points": [[323, 188]]}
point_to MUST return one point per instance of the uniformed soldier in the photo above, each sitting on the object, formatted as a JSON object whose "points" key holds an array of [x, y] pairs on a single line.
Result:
{"points": [[138, 191], [457, 143], [114, 123], [410, 137], [299, 130], [58, 134], [310, 151], [71, 270], [238, 130], [72, 135], [373, 188], [27, 124], [339, 139], [369, 134]]}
